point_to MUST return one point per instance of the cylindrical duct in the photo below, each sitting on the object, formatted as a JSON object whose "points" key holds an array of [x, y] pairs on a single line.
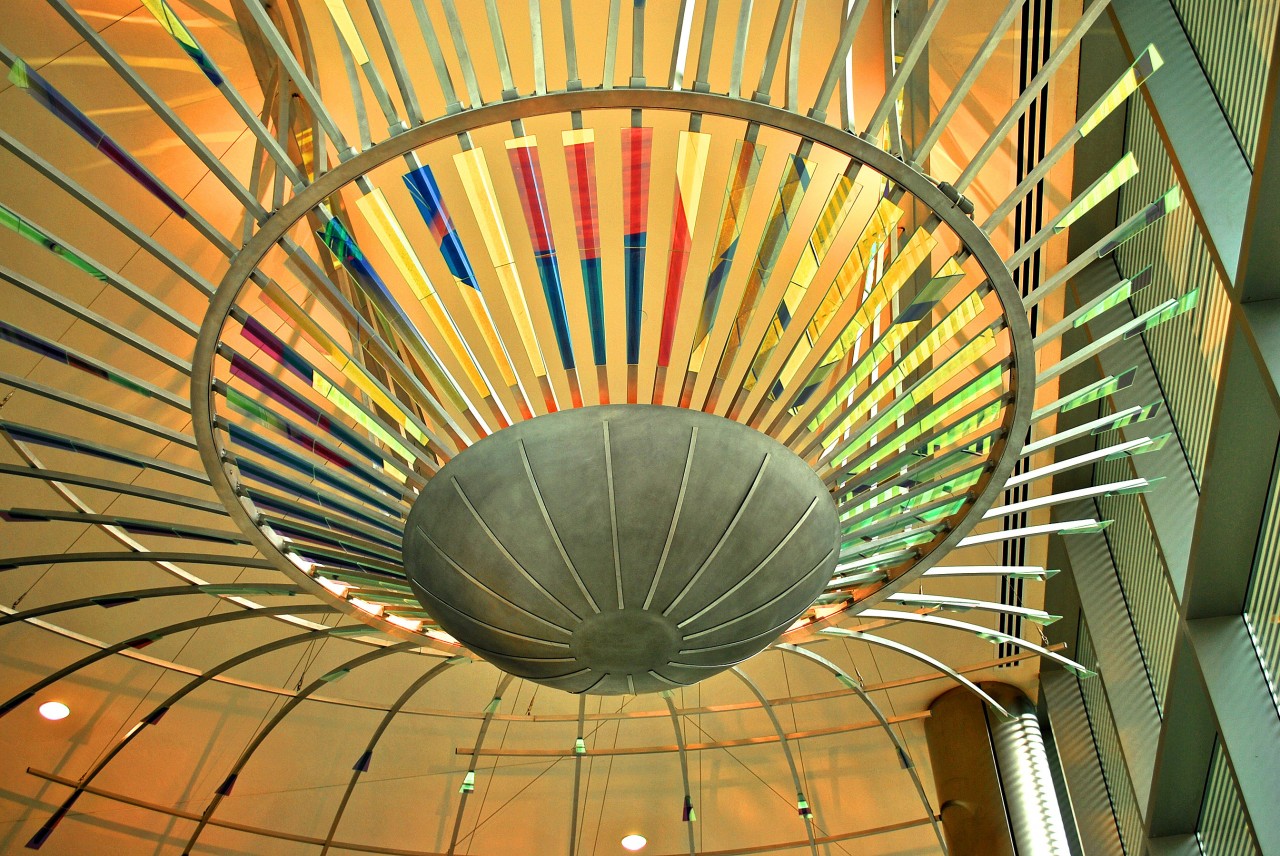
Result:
{"points": [[992, 775], [1025, 777]]}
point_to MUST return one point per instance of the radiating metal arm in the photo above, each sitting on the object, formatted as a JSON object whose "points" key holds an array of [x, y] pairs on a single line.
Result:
{"points": [[148, 96], [93, 319], [805, 813], [909, 59], [362, 764], [469, 781], [836, 68], [117, 220], [112, 414], [916, 654], [1160, 312], [926, 601], [1136, 485], [143, 639], [110, 600], [904, 757], [740, 48], [680, 46], [579, 750], [774, 50], [8, 563], [1125, 448], [1031, 92], [1023, 572], [434, 51], [961, 90], [163, 528], [1107, 244], [1148, 61], [398, 68], [1062, 527], [982, 633], [497, 35], [299, 77], [224, 790], [689, 816]]}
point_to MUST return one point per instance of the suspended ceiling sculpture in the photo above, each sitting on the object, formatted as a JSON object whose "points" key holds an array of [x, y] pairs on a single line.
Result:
{"points": [[542, 240], [636, 569]]}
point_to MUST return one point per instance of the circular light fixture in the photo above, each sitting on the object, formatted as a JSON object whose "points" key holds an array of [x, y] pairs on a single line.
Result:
{"points": [[634, 842], [54, 710]]}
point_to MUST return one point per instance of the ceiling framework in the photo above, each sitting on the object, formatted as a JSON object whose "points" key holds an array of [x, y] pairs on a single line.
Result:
{"points": [[252, 320]]}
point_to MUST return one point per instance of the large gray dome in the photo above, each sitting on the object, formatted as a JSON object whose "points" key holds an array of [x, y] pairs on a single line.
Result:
{"points": [[622, 548]]}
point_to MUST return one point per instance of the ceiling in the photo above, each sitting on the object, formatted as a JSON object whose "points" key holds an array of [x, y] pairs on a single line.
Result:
{"points": [[295, 782]]}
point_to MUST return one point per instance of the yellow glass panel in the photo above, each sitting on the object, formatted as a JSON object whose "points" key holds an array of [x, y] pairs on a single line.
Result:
{"points": [[969, 308], [691, 164], [961, 360], [850, 277], [386, 228], [347, 27], [350, 369], [474, 171], [347, 406], [838, 206], [912, 256], [1144, 67]]}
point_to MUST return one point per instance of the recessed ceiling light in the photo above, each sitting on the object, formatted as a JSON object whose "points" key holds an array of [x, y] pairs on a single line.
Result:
{"points": [[634, 842], [54, 710]]}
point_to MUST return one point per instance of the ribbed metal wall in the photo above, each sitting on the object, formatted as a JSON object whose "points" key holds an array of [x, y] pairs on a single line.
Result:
{"points": [[1223, 829], [1234, 41], [1124, 803], [1186, 352], [1262, 605], [1144, 579]]}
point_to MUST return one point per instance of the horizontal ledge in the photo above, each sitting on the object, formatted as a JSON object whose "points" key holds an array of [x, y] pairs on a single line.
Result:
{"points": [[569, 752], [392, 851]]}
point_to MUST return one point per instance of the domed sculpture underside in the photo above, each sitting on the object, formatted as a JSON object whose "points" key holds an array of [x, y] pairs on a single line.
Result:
{"points": [[622, 548]]}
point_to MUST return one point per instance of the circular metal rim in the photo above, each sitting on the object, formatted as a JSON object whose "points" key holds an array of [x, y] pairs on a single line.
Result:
{"points": [[915, 182]]}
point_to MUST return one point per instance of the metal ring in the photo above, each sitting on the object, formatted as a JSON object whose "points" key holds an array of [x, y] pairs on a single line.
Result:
{"points": [[908, 177]]}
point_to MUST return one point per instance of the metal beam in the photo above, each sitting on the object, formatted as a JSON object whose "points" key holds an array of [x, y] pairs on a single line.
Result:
{"points": [[1250, 730], [1205, 153], [1242, 446], [695, 747], [1185, 751], [1257, 277], [383, 850], [362, 764]]}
